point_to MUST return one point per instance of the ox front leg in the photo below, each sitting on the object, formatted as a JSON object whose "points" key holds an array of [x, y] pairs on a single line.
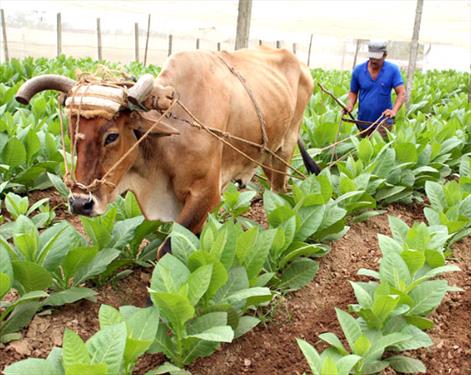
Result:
{"points": [[200, 200]]}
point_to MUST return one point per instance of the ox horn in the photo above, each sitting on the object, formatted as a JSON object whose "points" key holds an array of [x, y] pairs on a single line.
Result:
{"points": [[141, 89], [43, 82]]}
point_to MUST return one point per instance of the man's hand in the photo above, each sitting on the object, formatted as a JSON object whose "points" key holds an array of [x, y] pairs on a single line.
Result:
{"points": [[347, 109], [390, 113]]}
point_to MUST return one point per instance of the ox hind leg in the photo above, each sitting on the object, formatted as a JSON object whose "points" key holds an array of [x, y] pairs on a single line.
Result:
{"points": [[202, 196], [278, 180]]}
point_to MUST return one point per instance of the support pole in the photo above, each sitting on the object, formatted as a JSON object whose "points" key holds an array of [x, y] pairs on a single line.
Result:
{"points": [[147, 40], [197, 43], [59, 34], [5, 43], [294, 48], [219, 46], [243, 24], [98, 36], [136, 42], [170, 42], [414, 48], [309, 51], [357, 48]]}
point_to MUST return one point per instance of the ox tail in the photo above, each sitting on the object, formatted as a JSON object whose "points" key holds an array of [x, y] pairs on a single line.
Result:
{"points": [[309, 163]]}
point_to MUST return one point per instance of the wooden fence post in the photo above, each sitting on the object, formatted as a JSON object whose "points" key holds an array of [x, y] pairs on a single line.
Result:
{"points": [[98, 35], [59, 34], [197, 43], [309, 51], [170, 42], [260, 42], [136, 41], [4, 30], [147, 40], [278, 44], [219, 46]]}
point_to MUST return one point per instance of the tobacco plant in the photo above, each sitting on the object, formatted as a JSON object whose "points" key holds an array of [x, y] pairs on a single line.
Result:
{"points": [[302, 219], [205, 288], [123, 337]]}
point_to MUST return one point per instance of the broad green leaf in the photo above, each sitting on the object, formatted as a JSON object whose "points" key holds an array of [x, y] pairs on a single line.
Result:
{"points": [[97, 265], [31, 276], [436, 195], [14, 153], [20, 317], [219, 275], [108, 316], [218, 334], [247, 293], [168, 368], [107, 346], [206, 321], [198, 283], [312, 356], [237, 280], [298, 274], [428, 296], [73, 349], [5, 260], [246, 323], [76, 259], [5, 284], [89, 369], [345, 364], [169, 274], [70, 295], [350, 327], [311, 220], [99, 228], [257, 255], [361, 294], [394, 270], [398, 228], [406, 365], [328, 367], [361, 346], [176, 308], [31, 366], [415, 259], [334, 341]]}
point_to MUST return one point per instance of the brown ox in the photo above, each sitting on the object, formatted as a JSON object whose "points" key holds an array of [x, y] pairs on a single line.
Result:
{"points": [[178, 173]]}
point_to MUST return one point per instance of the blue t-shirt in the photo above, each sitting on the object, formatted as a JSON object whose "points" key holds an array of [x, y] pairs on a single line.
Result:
{"points": [[375, 95]]}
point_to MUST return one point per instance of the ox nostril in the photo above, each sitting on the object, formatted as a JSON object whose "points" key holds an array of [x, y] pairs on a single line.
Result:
{"points": [[88, 205], [81, 206]]}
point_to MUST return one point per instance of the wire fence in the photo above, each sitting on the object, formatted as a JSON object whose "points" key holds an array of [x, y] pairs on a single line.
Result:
{"points": [[22, 39]]}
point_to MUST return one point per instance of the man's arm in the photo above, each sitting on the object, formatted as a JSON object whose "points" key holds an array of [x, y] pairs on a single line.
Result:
{"points": [[351, 100], [400, 98]]}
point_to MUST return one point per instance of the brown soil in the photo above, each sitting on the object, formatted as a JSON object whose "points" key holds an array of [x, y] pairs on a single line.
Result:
{"points": [[271, 347]]}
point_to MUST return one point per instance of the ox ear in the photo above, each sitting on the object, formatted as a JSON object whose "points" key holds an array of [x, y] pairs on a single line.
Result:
{"points": [[143, 121]]}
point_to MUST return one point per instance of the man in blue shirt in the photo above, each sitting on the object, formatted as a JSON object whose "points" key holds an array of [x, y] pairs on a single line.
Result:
{"points": [[373, 81]]}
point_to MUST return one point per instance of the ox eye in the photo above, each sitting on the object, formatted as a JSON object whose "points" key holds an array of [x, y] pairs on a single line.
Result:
{"points": [[110, 138]]}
